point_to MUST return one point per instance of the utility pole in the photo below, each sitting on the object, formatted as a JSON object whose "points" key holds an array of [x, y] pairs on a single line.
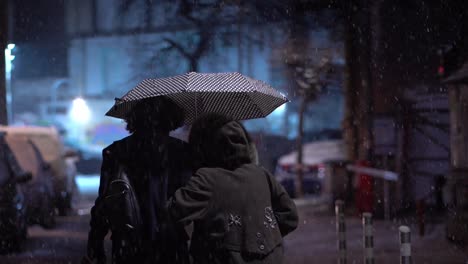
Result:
{"points": [[3, 44]]}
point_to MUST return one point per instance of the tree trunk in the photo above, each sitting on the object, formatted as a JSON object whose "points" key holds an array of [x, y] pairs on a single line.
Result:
{"points": [[358, 87], [3, 42], [300, 134], [350, 134], [193, 65]]}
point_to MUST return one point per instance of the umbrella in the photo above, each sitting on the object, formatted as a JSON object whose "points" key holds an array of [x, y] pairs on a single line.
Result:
{"points": [[232, 94]]}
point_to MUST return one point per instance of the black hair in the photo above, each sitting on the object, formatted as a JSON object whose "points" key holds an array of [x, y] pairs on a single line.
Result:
{"points": [[211, 149], [202, 132], [205, 126], [157, 113]]}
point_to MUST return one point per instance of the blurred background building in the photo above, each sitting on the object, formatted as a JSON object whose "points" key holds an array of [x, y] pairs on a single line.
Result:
{"points": [[98, 50]]}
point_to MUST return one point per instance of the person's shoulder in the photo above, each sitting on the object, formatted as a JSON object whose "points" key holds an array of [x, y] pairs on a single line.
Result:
{"points": [[179, 148], [208, 173], [206, 177], [118, 147], [254, 167], [178, 142]]}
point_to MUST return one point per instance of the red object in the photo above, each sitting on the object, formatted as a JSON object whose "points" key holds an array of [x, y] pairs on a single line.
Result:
{"points": [[441, 70], [365, 190]]}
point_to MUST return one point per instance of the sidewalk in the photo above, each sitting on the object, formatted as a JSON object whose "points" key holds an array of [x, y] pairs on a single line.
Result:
{"points": [[315, 241]]}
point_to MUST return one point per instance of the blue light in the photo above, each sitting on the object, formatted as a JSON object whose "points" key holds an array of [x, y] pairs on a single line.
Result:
{"points": [[80, 112], [280, 110]]}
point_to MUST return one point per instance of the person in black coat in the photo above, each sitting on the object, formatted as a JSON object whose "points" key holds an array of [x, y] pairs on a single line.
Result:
{"points": [[240, 212], [156, 165]]}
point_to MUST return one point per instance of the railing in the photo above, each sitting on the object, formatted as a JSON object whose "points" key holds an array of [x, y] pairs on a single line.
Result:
{"points": [[368, 238]]}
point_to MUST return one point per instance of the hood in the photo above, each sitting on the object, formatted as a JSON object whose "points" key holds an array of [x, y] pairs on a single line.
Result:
{"points": [[220, 142]]}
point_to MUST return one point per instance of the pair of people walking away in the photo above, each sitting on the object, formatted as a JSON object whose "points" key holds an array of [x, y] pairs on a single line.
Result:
{"points": [[152, 185]]}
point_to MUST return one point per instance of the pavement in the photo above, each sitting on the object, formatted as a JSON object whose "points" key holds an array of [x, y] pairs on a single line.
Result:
{"points": [[313, 242]]}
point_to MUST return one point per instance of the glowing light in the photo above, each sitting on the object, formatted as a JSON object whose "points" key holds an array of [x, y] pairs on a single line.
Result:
{"points": [[9, 57], [79, 111], [87, 184], [441, 70], [280, 110]]}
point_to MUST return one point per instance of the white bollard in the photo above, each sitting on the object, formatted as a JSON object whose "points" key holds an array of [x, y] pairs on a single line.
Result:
{"points": [[340, 231], [405, 245], [368, 238]]}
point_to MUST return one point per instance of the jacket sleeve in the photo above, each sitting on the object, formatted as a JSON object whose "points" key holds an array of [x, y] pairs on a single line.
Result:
{"points": [[283, 207], [192, 201], [99, 226]]}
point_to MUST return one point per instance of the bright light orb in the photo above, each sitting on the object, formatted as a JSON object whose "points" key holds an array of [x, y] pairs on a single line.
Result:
{"points": [[9, 57], [79, 111], [280, 110]]}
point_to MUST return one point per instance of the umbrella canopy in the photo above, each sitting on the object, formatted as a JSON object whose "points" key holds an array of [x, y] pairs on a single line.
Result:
{"points": [[232, 94]]}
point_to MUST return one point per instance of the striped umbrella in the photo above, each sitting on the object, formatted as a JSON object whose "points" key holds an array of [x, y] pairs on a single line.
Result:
{"points": [[232, 94]]}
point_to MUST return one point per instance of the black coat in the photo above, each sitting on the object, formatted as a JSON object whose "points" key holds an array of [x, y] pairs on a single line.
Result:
{"points": [[240, 211], [167, 158]]}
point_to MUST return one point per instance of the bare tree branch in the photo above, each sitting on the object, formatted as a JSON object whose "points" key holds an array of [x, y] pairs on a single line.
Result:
{"points": [[186, 11], [205, 38], [179, 48]]}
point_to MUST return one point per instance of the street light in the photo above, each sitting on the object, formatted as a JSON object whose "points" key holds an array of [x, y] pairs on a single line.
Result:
{"points": [[79, 111], [279, 111], [8, 68]]}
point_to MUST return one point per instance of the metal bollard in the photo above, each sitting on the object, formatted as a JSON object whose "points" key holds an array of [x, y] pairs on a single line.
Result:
{"points": [[341, 231], [405, 245], [368, 238]]}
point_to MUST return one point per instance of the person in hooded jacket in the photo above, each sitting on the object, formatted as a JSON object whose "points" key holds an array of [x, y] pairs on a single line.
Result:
{"points": [[156, 165], [240, 212]]}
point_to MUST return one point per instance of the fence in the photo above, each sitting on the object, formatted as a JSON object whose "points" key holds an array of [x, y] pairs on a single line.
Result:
{"points": [[368, 237]]}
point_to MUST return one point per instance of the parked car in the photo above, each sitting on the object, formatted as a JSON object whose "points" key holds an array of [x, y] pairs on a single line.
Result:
{"points": [[312, 178], [13, 217], [315, 157], [89, 158], [89, 162], [59, 158], [39, 193]]}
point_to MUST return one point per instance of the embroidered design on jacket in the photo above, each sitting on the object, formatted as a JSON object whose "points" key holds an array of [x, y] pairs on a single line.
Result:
{"points": [[234, 220], [270, 218]]}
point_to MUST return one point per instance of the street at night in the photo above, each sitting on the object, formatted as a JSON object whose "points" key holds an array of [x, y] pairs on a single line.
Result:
{"points": [[314, 242], [218, 131]]}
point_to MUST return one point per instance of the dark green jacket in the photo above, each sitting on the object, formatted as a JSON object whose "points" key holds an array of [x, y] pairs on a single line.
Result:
{"points": [[240, 211]]}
